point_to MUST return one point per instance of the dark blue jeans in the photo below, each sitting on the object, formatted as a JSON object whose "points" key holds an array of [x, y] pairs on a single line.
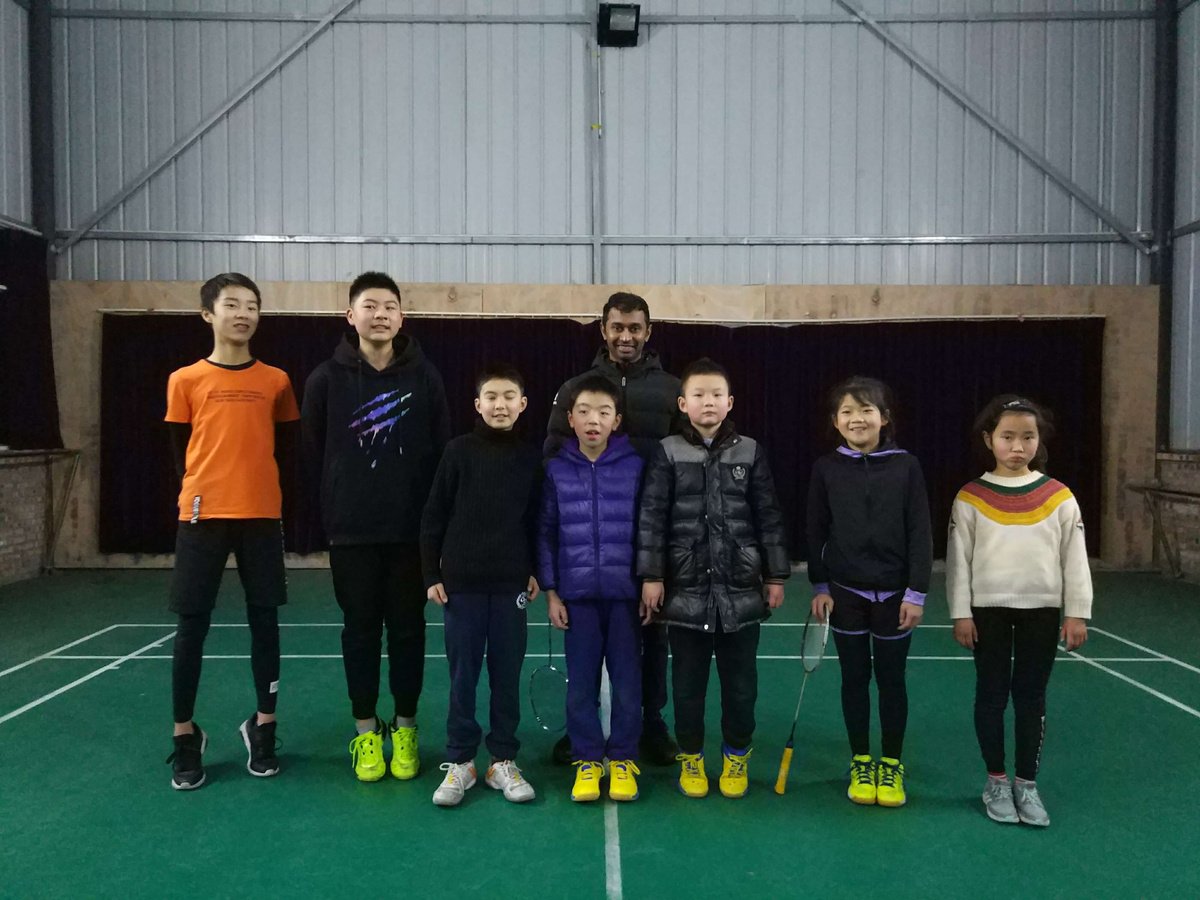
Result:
{"points": [[604, 633], [479, 625]]}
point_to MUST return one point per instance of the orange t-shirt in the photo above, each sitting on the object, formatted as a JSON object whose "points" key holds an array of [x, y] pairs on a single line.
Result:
{"points": [[230, 470]]}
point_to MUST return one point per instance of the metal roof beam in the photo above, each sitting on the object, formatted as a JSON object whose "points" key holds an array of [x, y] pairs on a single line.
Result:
{"points": [[200, 130], [1001, 130]]}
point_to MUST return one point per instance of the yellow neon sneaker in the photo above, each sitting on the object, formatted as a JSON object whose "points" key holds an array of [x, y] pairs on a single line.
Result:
{"points": [[862, 780], [587, 781], [734, 780], [890, 775], [366, 754], [621, 783], [406, 761], [692, 780]]}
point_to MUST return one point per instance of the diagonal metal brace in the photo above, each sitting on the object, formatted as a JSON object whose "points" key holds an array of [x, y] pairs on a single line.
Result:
{"points": [[205, 125], [1002, 131]]}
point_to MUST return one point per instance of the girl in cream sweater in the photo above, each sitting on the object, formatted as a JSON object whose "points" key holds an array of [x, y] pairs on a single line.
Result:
{"points": [[1016, 561]]}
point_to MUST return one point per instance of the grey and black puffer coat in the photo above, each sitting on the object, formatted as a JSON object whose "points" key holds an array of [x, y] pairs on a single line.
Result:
{"points": [[710, 527]]}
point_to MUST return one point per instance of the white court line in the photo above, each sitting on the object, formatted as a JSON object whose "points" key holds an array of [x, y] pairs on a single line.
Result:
{"points": [[238, 656], [78, 681], [428, 624], [1137, 684], [1109, 659], [49, 653], [1137, 646], [72, 656], [612, 830], [612, 852]]}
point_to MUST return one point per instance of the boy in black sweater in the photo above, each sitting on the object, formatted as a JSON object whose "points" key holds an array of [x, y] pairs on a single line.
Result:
{"points": [[374, 423], [477, 555]]}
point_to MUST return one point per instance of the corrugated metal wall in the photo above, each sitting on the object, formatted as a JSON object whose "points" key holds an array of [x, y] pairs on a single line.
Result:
{"points": [[15, 202], [1185, 337], [720, 142], [817, 129]]}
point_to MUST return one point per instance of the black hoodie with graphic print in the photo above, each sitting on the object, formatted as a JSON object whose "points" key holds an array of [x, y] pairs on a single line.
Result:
{"points": [[372, 441]]}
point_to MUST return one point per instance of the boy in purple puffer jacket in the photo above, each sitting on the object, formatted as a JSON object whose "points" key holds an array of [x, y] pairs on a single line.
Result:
{"points": [[585, 558]]}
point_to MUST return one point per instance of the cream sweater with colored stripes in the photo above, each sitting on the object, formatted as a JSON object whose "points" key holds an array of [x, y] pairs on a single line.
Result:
{"points": [[1017, 542]]}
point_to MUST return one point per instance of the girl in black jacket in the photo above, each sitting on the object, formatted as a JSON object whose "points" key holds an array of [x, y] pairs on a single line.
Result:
{"points": [[869, 557]]}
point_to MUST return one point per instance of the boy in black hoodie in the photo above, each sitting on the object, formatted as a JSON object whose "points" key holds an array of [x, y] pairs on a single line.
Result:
{"points": [[374, 423]]}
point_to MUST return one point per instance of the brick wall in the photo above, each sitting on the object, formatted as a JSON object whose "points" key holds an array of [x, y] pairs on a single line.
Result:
{"points": [[1181, 519], [22, 521]]}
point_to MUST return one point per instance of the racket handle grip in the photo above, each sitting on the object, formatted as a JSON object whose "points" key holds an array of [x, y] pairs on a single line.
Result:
{"points": [[784, 765]]}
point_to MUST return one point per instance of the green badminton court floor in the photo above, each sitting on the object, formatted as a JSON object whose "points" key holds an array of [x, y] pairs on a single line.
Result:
{"points": [[86, 808]]}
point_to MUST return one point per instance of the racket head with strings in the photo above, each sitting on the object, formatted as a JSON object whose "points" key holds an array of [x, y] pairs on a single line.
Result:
{"points": [[812, 643], [548, 690], [548, 697]]}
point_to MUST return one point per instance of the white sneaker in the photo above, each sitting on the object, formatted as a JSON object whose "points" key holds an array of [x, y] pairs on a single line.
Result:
{"points": [[503, 775], [460, 778]]}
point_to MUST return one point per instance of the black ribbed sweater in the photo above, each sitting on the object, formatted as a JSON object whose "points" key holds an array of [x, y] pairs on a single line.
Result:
{"points": [[478, 527]]}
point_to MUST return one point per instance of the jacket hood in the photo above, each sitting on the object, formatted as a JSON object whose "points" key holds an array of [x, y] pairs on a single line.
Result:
{"points": [[887, 448], [648, 360], [406, 349], [725, 434], [619, 447]]}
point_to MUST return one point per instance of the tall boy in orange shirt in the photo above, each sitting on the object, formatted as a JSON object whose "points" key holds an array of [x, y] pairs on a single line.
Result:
{"points": [[224, 413]]}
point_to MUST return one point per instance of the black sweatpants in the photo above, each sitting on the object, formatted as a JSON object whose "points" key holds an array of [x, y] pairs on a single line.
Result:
{"points": [[692, 651], [865, 632], [377, 585], [1014, 653], [654, 678]]}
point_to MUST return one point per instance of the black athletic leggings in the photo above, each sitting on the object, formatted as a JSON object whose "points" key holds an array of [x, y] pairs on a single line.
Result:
{"points": [[865, 632], [890, 663], [1014, 653], [189, 653]]}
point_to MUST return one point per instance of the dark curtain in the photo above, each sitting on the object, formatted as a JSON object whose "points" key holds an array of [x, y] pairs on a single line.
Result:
{"points": [[942, 373], [28, 400]]}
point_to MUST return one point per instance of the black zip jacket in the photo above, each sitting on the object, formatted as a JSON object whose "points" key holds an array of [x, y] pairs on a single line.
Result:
{"points": [[372, 441], [648, 403], [480, 522], [868, 521], [711, 528]]}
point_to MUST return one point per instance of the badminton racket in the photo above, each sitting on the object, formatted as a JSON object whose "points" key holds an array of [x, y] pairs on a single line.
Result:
{"points": [[812, 651]]}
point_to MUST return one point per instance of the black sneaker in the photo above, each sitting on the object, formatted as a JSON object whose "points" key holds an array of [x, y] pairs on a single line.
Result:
{"points": [[187, 771], [657, 747], [561, 754], [260, 747]]}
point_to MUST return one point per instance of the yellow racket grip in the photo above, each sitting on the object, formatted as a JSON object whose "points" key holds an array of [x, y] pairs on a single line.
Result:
{"points": [[784, 765]]}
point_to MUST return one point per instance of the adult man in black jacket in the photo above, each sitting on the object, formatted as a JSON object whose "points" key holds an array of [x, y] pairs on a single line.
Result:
{"points": [[650, 411]]}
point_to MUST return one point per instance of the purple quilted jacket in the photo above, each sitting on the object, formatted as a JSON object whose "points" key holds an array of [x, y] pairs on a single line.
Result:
{"points": [[585, 546]]}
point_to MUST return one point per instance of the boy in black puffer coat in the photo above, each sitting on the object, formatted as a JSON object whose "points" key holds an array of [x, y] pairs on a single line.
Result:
{"points": [[710, 544]]}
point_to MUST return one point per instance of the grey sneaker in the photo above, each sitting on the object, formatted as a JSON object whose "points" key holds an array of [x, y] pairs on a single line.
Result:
{"points": [[998, 800], [460, 778], [1029, 804], [503, 775]]}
